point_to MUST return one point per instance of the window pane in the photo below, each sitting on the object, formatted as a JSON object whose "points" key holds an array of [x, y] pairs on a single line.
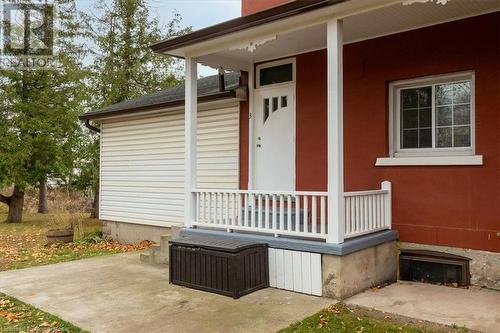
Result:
{"points": [[444, 94], [266, 109], [461, 92], [425, 138], [444, 137], [443, 116], [461, 136], [410, 139], [284, 101], [461, 114], [425, 97], [410, 118], [276, 74], [425, 117], [409, 98], [416, 118], [444, 109], [275, 103]]}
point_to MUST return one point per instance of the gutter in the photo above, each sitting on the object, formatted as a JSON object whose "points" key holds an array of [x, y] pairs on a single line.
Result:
{"points": [[92, 128], [280, 12]]}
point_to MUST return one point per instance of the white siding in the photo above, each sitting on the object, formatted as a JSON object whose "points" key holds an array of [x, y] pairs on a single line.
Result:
{"points": [[142, 163], [295, 270]]}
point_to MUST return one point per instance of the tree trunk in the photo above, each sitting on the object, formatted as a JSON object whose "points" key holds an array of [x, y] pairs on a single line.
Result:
{"points": [[16, 202], [43, 206], [95, 205]]}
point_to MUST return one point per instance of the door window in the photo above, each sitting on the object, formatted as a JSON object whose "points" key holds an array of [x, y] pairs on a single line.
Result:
{"points": [[273, 104]]}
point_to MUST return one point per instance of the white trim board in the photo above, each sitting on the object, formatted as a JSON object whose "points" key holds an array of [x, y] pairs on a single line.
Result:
{"points": [[430, 160]]}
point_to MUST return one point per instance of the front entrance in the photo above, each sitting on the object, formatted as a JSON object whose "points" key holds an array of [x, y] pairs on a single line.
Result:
{"points": [[274, 138]]}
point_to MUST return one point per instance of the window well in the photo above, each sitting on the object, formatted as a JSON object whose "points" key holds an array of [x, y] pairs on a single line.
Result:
{"points": [[434, 267]]}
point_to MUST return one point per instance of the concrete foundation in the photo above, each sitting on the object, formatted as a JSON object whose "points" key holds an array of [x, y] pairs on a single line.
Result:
{"points": [[484, 265], [344, 276], [133, 233]]}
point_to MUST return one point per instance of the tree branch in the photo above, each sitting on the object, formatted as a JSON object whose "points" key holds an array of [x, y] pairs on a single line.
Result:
{"points": [[4, 199]]}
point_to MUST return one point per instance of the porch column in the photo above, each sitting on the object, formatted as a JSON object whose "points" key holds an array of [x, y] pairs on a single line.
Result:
{"points": [[251, 142], [335, 133], [190, 118]]}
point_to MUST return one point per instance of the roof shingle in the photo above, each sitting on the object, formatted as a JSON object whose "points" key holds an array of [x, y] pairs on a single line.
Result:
{"points": [[207, 86]]}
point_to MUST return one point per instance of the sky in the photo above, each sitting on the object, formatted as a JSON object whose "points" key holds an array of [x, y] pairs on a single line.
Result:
{"points": [[195, 13]]}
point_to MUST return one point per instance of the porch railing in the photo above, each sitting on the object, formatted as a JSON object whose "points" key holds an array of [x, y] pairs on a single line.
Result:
{"points": [[367, 211], [280, 213], [299, 214]]}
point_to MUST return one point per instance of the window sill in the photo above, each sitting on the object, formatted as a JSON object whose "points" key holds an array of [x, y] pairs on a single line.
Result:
{"points": [[430, 160]]}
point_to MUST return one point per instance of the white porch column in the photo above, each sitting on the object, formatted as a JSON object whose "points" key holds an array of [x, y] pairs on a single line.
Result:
{"points": [[335, 133], [190, 118], [251, 141]]}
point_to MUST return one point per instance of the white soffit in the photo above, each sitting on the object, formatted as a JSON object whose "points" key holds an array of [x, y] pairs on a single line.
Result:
{"points": [[272, 47], [380, 22], [397, 18]]}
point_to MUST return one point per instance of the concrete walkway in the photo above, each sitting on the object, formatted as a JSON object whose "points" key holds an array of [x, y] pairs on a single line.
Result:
{"points": [[120, 294], [477, 309]]}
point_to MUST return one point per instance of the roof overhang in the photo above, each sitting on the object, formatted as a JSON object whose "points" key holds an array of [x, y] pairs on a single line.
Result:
{"points": [[300, 26], [175, 104], [175, 46], [279, 19]]}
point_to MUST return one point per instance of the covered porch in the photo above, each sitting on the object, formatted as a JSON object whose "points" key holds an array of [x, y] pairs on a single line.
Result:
{"points": [[332, 215]]}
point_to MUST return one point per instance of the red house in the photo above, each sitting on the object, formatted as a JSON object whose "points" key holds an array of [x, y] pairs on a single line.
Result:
{"points": [[356, 123]]}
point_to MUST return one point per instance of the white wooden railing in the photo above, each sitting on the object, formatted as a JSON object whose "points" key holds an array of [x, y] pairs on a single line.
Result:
{"points": [[280, 213], [300, 214], [367, 211]]}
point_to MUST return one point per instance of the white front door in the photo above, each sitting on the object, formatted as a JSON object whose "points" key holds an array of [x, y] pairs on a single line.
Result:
{"points": [[274, 138]]}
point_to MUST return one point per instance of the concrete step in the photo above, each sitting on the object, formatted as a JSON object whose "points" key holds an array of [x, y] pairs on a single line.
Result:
{"points": [[160, 258], [164, 243], [159, 254], [155, 255], [146, 258]]}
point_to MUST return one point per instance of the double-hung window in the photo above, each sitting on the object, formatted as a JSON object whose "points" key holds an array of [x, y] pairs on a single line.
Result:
{"points": [[433, 116]]}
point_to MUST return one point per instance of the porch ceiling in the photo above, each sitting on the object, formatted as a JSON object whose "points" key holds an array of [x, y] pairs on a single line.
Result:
{"points": [[383, 21]]}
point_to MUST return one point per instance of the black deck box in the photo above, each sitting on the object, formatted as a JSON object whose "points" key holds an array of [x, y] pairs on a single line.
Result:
{"points": [[225, 266]]}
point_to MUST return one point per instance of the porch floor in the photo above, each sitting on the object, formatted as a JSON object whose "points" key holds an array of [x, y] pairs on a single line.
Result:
{"points": [[120, 294]]}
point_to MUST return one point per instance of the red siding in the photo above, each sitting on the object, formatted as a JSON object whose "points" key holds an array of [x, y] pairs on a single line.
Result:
{"points": [[252, 6], [311, 155], [449, 205], [457, 205]]}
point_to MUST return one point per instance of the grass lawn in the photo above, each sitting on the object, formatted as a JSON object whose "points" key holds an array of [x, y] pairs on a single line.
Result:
{"points": [[16, 316], [24, 244], [342, 319]]}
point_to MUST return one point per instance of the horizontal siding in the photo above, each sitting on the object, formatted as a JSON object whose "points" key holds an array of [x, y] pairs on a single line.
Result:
{"points": [[142, 164]]}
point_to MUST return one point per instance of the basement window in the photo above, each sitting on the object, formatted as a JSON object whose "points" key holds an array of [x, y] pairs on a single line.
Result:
{"points": [[434, 267]]}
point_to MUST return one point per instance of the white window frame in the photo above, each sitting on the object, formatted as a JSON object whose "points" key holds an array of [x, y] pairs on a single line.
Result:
{"points": [[395, 117], [273, 64]]}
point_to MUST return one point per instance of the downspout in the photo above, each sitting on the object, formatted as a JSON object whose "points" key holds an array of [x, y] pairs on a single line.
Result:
{"points": [[91, 127]]}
